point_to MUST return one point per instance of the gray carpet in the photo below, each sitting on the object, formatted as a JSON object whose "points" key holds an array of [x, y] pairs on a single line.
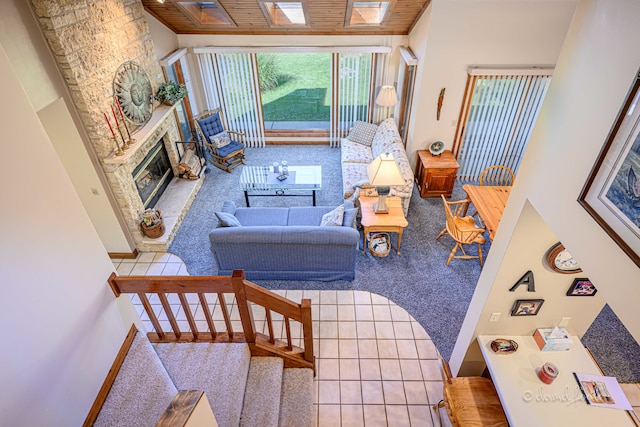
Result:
{"points": [[417, 280]]}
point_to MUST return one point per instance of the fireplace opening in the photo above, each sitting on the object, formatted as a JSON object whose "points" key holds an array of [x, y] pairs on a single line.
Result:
{"points": [[153, 175]]}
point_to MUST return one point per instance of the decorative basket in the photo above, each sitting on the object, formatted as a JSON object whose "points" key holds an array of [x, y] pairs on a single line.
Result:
{"points": [[156, 230], [380, 244]]}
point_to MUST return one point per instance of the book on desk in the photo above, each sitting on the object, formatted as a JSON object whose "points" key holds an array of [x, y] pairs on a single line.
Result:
{"points": [[599, 390]]}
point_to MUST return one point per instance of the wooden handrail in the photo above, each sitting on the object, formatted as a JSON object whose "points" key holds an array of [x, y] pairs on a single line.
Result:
{"points": [[246, 293]]}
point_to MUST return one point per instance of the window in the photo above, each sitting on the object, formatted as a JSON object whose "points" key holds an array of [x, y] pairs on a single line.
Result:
{"points": [[209, 13], [173, 72], [284, 13], [360, 13]]}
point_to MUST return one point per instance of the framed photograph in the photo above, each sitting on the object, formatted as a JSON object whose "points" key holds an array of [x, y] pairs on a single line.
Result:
{"points": [[582, 288], [611, 194], [526, 307]]}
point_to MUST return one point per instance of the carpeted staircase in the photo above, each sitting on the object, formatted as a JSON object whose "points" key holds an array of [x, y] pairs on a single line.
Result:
{"points": [[242, 390]]}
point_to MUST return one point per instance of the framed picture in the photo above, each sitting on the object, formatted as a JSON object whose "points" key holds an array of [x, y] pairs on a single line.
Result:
{"points": [[526, 307], [611, 194], [582, 288]]}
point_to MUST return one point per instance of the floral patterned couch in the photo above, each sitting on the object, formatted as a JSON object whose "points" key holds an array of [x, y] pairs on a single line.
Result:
{"points": [[356, 156]]}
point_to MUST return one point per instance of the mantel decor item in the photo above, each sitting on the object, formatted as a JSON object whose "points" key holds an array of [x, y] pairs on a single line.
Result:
{"points": [[171, 92], [132, 89], [436, 148], [611, 194], [560, 260], [152, 223]]}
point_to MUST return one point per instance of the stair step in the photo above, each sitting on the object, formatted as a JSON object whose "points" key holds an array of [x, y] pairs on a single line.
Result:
{"points": [[142, 390], [296, 399], [262, 392], [220, 370]]}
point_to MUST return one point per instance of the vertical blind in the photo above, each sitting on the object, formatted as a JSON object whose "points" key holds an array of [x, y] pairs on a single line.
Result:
{"points": [[231, 83], [496, 119]]}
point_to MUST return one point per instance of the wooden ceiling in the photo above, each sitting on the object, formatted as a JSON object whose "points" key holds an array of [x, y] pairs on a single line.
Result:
{"points": [[324, 17]]}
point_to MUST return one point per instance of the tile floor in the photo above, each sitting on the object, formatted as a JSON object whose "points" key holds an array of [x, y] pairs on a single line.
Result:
{"points": [[375, 365]]}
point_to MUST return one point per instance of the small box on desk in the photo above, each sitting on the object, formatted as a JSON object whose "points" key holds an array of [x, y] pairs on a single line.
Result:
{"points": [[546, 342]]}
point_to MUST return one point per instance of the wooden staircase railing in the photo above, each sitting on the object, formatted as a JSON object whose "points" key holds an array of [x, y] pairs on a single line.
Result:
{"points": [[193, 292]]}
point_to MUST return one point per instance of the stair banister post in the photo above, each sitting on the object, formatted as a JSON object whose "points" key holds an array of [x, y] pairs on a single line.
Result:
{"points": [[307, 329], [114, 284], [246, 314]]}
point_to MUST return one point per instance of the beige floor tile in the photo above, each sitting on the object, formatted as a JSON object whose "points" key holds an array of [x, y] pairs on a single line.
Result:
{"points": [[420, 416], [365, 330], [387, 349], [328, 391], [328, 369], [374, 416], [385, 331], [345, 297], [350, 393], [364, 313], [390, 369], [362, 297], [328, 349], [398, 414], [348, 349], [407, 349], [416, 393], [403, 330], [370, 369], [418, 332], [294, 295], [394, 393], [313, 295], [328, 312], [328, 297], [352, 415], [368, 349], [346, 313], [146, 257], [328, 415], [381, 313], [410, 369], [426, 349], [434, 391], [328, 330], [372, 393], [140, 269], [632, 391], [183, 271], [349, 370], [399, 314], [430, 370], [155, 269], [347, 330], [379, 299], [163, 257], [171, 269]]}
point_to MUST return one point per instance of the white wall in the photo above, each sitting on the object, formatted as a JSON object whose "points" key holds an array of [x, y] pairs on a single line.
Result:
{"points": [[63, 327], [39, 76], [588, 88], [457, 33], [164, 40]]}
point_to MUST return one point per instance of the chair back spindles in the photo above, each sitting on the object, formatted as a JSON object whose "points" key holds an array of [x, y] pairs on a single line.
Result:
{"points": [[497, 175]]}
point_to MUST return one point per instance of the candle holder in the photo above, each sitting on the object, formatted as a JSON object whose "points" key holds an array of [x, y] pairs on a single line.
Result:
{"points": [[119, 150]]}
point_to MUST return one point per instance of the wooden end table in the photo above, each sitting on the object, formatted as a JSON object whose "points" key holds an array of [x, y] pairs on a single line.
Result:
{"points": [[393, 222]]}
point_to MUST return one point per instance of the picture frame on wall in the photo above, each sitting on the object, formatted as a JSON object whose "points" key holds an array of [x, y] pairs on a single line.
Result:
{"points": [[611, 194], [526, 307], [582, 288]]}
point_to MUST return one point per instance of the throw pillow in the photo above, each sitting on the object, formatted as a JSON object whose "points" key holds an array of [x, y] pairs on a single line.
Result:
{"points": [[362, 133], [333, 218], [227, 220], [221, 139], [349, 219]]}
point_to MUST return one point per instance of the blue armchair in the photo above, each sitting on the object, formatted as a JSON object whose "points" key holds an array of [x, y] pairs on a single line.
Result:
{"points": [[210, 124]]}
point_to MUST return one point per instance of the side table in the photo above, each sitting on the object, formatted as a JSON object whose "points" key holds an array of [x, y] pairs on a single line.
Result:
{"points": [[393, 222], [435, 175]]}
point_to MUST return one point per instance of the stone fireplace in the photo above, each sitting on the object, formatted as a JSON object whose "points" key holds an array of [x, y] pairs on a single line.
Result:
{"points": [[89, 40]]}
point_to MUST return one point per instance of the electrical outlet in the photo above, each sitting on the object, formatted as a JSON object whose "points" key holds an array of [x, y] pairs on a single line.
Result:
{"points": [[494, 317], [454, 122], [94, 191], [564, 322]]}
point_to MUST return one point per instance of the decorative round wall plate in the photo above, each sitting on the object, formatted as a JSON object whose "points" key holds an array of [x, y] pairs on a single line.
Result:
{"points": [[561, 261], [132, 88], [436, 147]]}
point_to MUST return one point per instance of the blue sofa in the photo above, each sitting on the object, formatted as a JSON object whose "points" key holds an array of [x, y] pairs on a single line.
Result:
{"points": [[286, 244]]}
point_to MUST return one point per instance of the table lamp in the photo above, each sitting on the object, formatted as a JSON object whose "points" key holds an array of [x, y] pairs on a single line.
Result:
{"points": [[387, 98], [384, 172]]}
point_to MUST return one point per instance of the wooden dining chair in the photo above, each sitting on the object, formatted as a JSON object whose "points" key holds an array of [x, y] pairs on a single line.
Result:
{"points": [[469, 401], [463, 230], [497, 175]]}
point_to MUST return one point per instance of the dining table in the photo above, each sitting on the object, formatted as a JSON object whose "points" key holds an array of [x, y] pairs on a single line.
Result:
{"points": [[489, 201]]}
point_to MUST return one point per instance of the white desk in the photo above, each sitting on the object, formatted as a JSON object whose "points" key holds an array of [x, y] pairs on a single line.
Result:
{"points": [[527, 401]]}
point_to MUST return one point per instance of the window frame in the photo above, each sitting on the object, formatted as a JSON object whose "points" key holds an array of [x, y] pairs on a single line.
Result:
{"points": [[269, 18], [189, 14], [351, 7]]}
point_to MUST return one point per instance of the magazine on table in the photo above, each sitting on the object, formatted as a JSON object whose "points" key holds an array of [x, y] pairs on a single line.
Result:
{"points": [[602, 391]]}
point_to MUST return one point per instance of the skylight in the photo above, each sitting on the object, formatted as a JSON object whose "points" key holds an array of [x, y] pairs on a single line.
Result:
{"points": [[284, 13], [207, 13], [367, 12]]}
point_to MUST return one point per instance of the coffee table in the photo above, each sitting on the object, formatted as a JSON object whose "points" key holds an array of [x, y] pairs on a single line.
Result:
{"points": [[262, 181], [394, 221]]}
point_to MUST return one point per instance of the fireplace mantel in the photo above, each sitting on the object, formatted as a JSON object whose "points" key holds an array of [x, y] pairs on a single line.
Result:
{"points": [[157, 117]]}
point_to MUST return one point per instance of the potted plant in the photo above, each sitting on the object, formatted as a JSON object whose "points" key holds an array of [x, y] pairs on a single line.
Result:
{"points": [[170, 92]]}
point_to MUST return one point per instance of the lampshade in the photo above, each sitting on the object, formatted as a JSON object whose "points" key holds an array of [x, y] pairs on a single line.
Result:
{"points": [[387, 96], [384, 171]]}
